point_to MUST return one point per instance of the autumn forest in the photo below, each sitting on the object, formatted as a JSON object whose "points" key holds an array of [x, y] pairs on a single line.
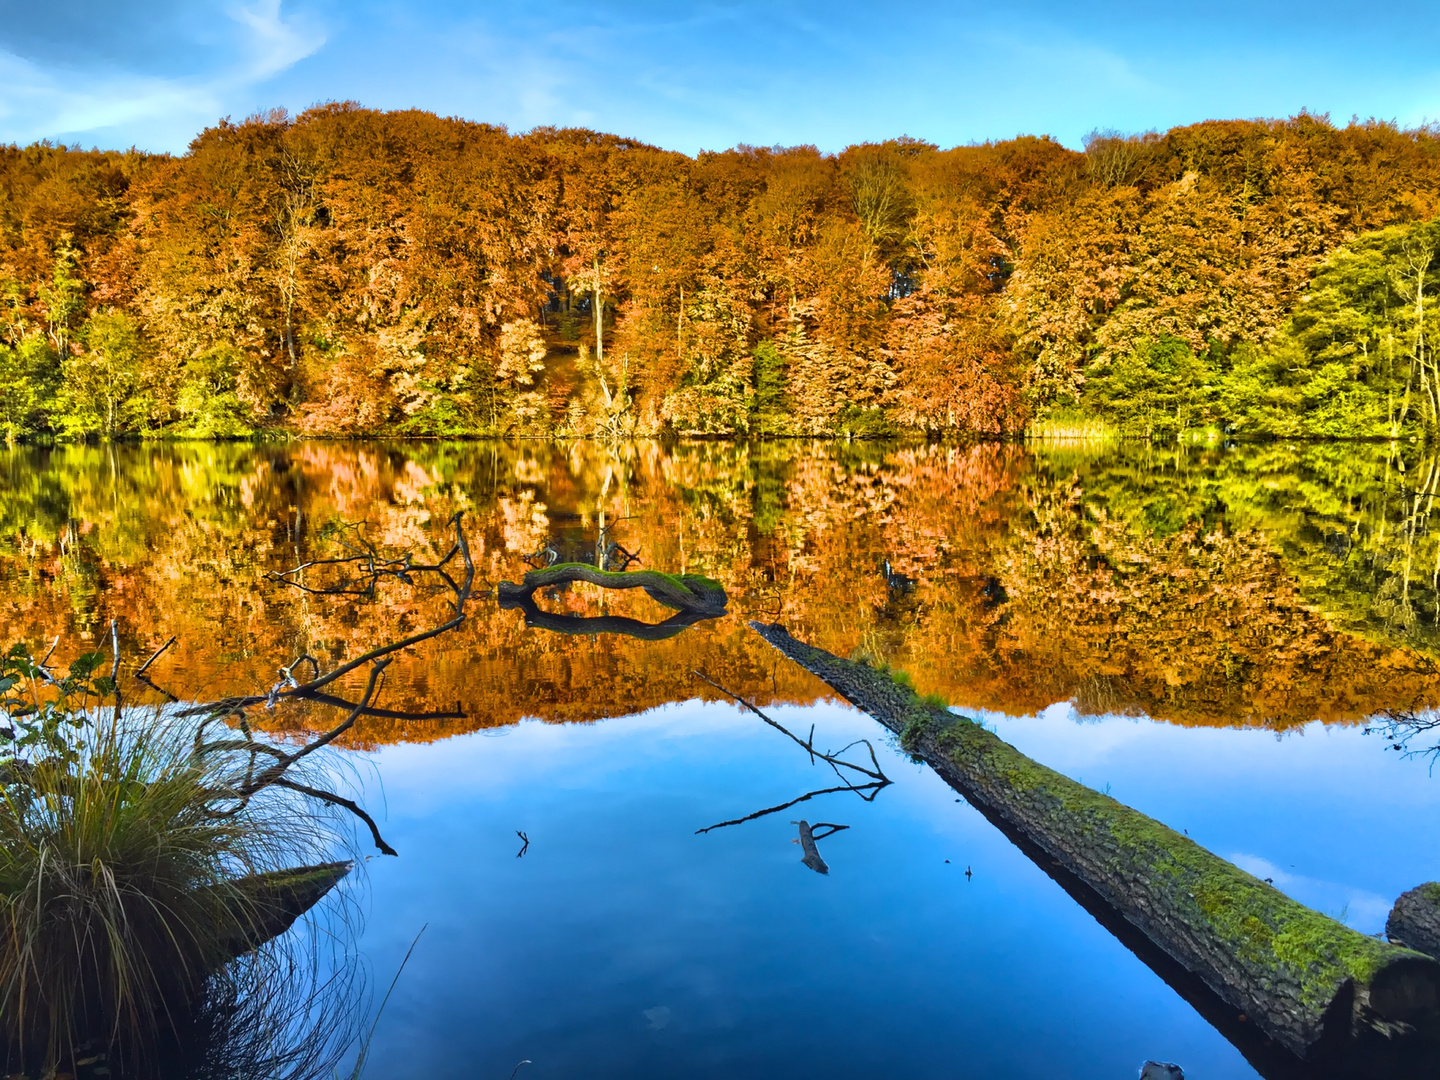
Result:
{"points": [[354, 272]]}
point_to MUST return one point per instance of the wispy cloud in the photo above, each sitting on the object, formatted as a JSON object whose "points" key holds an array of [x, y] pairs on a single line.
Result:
{"points": [[45, 101], [1365, 911], [275, 42]]}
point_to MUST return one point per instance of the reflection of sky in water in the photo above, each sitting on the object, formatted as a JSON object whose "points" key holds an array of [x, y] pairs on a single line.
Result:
{"points": [[624, 945]]}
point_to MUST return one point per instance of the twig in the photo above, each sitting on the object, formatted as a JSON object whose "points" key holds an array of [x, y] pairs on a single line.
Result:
{"points": [[860, 789], [461, 590], [153, 657], [340, 800], [832, 760]]}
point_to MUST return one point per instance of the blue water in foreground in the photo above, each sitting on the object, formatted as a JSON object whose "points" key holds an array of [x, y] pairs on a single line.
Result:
{"points": [[622, 944]]}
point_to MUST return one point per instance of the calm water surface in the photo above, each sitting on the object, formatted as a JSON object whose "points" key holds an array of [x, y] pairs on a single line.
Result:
{"points": [[1203, 633]]}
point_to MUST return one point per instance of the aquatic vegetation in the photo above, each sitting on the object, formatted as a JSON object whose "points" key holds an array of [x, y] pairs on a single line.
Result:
{"points": [[130, 873]]}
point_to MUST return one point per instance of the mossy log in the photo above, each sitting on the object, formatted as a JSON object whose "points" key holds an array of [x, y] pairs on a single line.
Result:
{"points": [[1338, 1000], [683, 592], [1415, 919], [264, 906]]}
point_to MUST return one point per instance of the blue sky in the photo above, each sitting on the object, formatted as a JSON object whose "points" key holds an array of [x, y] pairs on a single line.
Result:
{"points": [[151, 73]]}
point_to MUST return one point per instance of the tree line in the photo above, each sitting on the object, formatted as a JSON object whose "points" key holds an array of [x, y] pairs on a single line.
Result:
{"points": [[355, 272]]}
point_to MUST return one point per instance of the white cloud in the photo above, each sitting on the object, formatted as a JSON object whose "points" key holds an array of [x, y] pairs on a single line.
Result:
{"points": [[45, 102], [276, 43], [1365, 911]]}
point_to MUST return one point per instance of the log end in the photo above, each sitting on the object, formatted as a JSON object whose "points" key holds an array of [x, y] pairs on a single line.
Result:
{"points": [[264, 906], [1415, 919], [1386, 1029]]}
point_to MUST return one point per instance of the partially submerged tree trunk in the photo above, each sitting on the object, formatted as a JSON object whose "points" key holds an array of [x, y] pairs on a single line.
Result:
{"points": [[267, 905], [1415, 920], [683, 592], [1335, 998]]}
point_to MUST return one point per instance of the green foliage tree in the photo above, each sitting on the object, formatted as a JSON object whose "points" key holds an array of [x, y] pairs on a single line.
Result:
{"points": [[1356, 357], [99, 392], [1155, 391], [29, 379], [63, 296], [768, 404], [208, 402]]}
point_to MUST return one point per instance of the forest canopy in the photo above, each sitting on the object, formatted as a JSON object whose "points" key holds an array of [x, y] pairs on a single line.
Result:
{"points": [[352, 272]]}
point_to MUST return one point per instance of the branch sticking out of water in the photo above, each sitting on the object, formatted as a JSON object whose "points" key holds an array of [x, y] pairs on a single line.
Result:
{"points": [[877, 781]]}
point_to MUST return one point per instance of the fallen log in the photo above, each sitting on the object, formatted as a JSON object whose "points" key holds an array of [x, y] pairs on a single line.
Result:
{"points": [[683, 592], [1415, 919], [261, 907], [1338, 1000]]}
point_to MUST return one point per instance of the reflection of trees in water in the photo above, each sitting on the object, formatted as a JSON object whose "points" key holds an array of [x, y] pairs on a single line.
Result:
{"points": [[1197, 586], [1259, 537], [150, 886]]}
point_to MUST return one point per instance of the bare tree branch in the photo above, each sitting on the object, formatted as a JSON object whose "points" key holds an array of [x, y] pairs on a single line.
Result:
{"points": [[348, 804], [833, 760], [140, 674]]}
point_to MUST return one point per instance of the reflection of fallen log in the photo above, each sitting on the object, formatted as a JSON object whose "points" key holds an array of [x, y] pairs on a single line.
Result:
{"points": [[264, 906], [1333, 997], [684, 592], [1415, 920], [600, 624]]}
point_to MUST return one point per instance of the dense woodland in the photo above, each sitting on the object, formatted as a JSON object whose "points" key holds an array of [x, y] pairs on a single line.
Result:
{"points": [[354, 272]]}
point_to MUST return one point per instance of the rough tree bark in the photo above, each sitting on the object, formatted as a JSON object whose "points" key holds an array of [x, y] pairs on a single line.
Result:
{"points": [[1415, 920], [1338, 1000]]}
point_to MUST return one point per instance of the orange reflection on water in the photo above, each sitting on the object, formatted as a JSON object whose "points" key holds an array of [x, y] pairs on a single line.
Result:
{"points": [[1197, 588]]}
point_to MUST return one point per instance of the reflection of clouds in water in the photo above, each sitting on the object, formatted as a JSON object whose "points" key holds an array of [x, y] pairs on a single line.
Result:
{"points": [[1287, 801], [1357, 908], [659, 1016]]}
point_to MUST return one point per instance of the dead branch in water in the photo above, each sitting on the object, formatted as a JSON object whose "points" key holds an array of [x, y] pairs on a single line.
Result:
{"points": [[399, 569], [808, 836], [268, 764], [877, 781]]}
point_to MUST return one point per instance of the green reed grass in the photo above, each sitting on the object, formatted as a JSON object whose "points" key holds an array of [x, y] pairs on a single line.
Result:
{"points": [[120, 853]]}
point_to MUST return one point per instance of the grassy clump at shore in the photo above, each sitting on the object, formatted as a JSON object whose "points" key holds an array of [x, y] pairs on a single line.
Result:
{"points": [[128, 871]]}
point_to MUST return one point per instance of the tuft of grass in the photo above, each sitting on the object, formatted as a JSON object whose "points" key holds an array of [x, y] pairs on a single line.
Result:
{"points": [[1071, 427], [123, 872]]}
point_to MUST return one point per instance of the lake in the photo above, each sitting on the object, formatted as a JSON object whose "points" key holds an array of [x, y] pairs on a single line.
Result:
{"points": [[1202, 632]]}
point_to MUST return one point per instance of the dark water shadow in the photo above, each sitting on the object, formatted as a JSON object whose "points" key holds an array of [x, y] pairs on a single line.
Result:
{"points": [[602, 624]]}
